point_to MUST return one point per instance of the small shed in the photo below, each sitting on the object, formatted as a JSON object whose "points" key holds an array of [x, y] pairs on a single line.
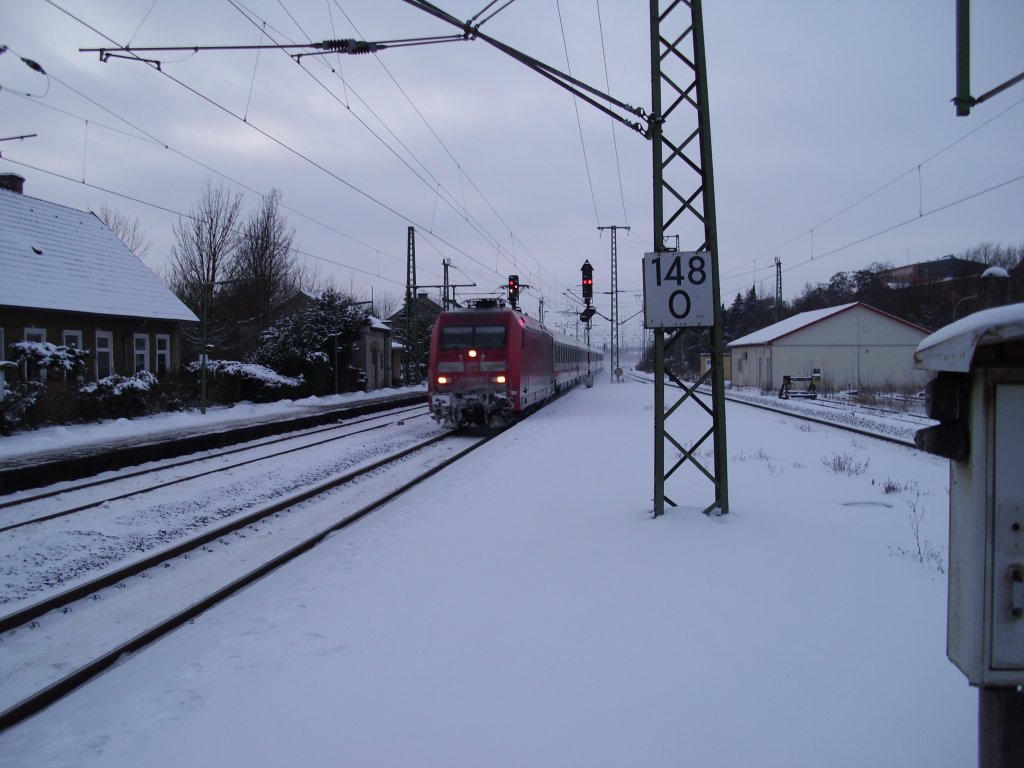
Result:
{"points": [[854, 346], [374, 354]]}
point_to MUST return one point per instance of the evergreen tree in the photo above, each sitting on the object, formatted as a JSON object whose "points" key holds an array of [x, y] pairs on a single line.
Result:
{"points": [[317, 343]]}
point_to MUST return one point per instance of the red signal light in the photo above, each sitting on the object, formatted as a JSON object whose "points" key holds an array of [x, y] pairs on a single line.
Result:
{"points": [[588, 281]]}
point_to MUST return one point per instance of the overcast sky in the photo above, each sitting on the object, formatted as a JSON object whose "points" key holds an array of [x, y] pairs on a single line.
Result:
{"points": [[814, 106]]}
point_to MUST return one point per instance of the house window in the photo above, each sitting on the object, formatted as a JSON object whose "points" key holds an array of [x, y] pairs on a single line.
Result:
{"points": [[141, 357], [104, 354], [73, 339], [37, 335], [163, 354]]}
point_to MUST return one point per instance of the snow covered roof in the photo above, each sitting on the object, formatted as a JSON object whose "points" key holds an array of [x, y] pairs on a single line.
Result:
{"points": [[796, 322], [952, 347], [789, 325], [54, 257]]}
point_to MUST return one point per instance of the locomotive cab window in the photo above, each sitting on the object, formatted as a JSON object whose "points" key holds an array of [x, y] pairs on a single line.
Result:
{"points": [[467, 336], [489, 336]]}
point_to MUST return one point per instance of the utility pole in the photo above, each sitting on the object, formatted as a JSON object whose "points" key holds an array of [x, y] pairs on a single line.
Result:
{"points": [[778, 289], [685, 182], [444, 295], [410, 372], [616, 369]]}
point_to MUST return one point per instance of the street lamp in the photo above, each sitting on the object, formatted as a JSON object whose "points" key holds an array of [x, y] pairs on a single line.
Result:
{"points": [[957, 305]]}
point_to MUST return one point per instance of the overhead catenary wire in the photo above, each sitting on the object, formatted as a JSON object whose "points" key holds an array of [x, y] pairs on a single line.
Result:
{"points": [[579, 123], [448, 199], [147, 137], [916, 168], [608, 87], [273, 138], [463, 175], [473, 224], [180, 214], [516, 248]]}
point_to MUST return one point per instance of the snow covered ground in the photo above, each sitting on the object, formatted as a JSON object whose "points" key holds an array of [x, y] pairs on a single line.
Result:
{"points": [[523, 608], [83, 435]]}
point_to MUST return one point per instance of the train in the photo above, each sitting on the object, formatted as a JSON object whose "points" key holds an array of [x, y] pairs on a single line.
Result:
{"points": [[489, 363]]}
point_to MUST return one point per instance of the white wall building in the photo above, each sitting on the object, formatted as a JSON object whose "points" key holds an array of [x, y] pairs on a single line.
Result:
{"points": [[854, 346]]}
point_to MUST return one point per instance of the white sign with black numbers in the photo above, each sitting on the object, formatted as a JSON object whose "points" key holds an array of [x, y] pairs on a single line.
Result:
{"points": [[677, 290]]}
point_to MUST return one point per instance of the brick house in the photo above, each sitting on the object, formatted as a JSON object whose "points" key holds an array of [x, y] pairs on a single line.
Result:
{"points": [[65, 278]]}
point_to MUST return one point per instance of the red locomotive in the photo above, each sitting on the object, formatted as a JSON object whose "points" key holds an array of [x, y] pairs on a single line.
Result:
{"points": [[489, 363]]}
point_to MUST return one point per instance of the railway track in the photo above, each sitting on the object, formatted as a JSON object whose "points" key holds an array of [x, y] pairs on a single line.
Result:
{"points": [[87, 628], [27, 509], [23, 472], [800, 410]]}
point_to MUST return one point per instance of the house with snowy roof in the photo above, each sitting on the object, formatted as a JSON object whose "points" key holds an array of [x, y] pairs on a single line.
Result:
{"points": [[852, 346], [66, 279]]}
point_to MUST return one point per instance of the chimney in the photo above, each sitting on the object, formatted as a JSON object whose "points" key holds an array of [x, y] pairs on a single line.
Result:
{"points": [[12, 182]]}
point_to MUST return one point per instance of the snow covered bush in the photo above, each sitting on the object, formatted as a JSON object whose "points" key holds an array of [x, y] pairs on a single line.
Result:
{"points": [[49, 359], [118, 396], [306, 342], [229, 381], [19, 401]]}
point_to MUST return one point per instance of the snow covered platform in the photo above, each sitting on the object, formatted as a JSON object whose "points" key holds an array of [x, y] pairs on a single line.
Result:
{"points": [[29, 460], [522, 608]]}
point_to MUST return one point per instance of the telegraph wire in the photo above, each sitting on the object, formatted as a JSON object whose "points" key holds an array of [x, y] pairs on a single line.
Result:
{"points": [[911, 220], [159, 207], [268, 136], [476, 226], [141, 23], [461, 170], [914, 169], [576, 106], [608, 88], [333, 95], [464, 213], [272, 138], [458, 165], [150, 138]]}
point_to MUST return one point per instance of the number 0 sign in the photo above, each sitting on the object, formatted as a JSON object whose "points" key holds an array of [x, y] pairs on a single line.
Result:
{"points": [[677, 290]]}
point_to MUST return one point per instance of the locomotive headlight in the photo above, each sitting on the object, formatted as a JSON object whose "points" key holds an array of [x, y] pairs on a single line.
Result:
{"points": [[442, 380], [500, 379], [472, 353]]}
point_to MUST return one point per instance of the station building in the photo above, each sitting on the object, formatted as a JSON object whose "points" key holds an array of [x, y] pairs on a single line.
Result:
{"points": [[852, 346]]}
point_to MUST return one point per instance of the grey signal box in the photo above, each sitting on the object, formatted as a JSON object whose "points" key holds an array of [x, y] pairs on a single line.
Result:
{"points": [[978, 399]]}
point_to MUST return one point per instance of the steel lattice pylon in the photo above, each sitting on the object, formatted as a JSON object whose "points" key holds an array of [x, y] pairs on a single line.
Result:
{"points": [[411, 352], [616, 369], [684, 199]]}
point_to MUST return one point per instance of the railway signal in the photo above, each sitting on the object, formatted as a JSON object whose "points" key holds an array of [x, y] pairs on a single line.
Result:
{"points": [[513, 291], [588, 282]]}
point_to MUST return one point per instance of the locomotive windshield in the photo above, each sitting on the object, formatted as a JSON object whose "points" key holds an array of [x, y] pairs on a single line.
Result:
{"points": [[469, 336]]}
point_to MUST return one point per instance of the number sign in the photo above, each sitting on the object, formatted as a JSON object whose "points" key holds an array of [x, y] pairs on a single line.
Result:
{"points": [[677, 290]]}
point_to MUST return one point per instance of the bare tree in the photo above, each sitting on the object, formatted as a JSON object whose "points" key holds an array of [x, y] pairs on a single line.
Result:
{"points": [[264, 264], [128, 230], [386, 304], [994, 254], [205, 244]]}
